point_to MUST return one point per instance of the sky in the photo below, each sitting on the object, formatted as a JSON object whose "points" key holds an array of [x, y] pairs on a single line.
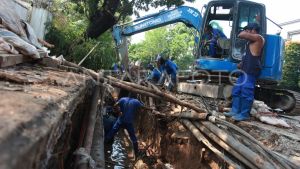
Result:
{"points": [[277, 10]]}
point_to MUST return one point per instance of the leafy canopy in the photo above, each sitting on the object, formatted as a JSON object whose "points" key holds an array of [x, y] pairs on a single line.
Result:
{"points": [[174, 42]]}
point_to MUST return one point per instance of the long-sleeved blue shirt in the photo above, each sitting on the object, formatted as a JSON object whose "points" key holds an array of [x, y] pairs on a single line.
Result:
{"points": [[155, 75], [128, 107]]}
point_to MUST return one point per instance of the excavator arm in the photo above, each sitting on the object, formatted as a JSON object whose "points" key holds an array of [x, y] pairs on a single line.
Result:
{"points": [[190, 16]]}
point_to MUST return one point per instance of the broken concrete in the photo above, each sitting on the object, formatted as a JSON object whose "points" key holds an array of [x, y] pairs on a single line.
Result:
{"points": [[206, 90]]}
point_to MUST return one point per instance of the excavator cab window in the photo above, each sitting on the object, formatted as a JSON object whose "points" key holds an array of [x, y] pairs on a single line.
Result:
{"points": [[247, 13], [220, 17]]}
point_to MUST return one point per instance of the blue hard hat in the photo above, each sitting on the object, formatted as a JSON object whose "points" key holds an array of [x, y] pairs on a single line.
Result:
{"points": [[252, 26], [150, 66]]}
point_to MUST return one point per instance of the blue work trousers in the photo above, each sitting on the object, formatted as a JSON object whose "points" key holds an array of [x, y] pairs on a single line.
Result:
{"points": [[244, 87], [212, 49], [128, 126]]}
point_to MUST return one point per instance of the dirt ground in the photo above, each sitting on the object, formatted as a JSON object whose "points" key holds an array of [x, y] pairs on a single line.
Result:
{"points": [[167, 144], [34, 102]]}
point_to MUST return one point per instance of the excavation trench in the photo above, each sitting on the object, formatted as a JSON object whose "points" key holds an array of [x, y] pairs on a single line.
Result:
{"points": [[163, 142], [45, 123], [52, 118]]}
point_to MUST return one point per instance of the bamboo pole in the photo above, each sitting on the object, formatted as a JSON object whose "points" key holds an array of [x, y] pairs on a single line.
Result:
{"points": [[166, 96], [91, 124], [200, 137], [135, 88], [248, 136], [188, 115], [224, 145], [242, 149]]}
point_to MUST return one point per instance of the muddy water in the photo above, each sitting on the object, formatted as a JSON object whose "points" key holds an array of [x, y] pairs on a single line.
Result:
{"points": [[118, 155]]}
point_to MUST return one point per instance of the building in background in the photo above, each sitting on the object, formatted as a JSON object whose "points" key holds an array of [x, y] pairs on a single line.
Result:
{"points": [[292, 29]]}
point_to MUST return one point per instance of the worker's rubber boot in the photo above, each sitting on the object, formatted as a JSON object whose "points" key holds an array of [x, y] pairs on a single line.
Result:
{"points": [[236, 105], [136, 149], [246, 106]]}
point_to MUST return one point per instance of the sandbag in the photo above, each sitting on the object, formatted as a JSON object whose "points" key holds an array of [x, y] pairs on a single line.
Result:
{"points": [[31, 36], [21, 45], [7, 47], [9, 19]]}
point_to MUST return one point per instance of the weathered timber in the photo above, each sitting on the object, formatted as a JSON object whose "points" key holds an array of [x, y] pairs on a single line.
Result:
{"points": [[97, 151], [189, 115], [12, 59], [254, 158], [7, 59], [166, 96], [200, 137], [224, 145], [91, 124], [249, 137], [133, 87]]}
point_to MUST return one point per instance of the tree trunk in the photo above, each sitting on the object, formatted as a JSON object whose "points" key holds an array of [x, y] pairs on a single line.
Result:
{"points": [[102, 19]]}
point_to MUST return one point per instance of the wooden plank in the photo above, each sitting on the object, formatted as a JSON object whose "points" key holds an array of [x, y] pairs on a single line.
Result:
{"points": [[12, 59], [3, 51]]}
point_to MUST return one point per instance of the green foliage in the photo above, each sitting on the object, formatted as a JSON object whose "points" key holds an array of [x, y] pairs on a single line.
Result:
{"points": [[291, 66], [102, 57], [174, 42], [72, 18], [67, 30]]}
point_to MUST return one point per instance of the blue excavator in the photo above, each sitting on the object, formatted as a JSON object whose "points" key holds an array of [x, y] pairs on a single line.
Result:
{"points": [[229, 16]]}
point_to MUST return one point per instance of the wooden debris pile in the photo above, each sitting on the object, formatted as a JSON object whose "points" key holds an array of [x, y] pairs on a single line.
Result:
{"points": [[242, 150]]}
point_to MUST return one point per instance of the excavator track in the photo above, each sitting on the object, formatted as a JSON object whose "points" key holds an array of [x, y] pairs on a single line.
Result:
{"points": [[287, 100], [274, 97], [296, 110]]}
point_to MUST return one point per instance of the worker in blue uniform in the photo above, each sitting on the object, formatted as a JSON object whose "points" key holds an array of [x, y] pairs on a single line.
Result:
{"points": [[167, 67], [126, 107], [154, 75], [210, 37], [115, 68], [243, 91]]}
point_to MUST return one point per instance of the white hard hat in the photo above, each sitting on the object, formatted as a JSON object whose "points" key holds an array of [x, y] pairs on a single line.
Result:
{"points": [[138, 63], [158, 57]]}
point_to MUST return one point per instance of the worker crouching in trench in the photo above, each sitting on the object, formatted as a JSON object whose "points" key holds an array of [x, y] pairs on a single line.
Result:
{"points": [[167, 67], [126, 107]]}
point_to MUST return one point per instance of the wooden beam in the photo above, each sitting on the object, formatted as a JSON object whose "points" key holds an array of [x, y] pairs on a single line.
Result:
{"points": [[7, 60]]}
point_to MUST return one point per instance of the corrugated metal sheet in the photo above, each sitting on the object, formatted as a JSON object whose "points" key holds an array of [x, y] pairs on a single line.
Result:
{"points": [[42, 3], [22, 9], [39, 17]]}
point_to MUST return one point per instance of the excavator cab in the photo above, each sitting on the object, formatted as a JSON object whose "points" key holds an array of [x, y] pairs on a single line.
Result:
{"points": [[230, 17]]}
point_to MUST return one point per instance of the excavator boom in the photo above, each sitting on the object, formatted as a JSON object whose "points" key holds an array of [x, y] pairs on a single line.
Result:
{"points": [[190, 16]]}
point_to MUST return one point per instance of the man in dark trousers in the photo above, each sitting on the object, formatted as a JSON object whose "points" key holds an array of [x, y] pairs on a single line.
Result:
{"points": [[126, 107], [243, 91]]}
